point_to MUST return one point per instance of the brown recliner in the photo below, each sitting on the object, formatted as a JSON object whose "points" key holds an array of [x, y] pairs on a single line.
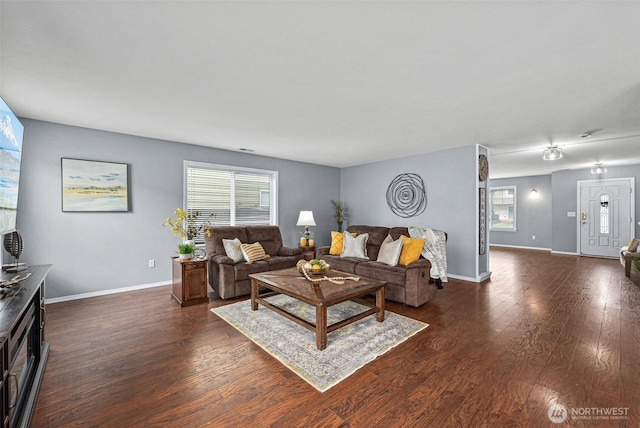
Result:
{"points": [[229, 279]]}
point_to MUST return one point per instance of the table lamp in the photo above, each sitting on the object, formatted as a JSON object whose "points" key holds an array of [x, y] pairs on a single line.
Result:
{"points": [[306, 219]]}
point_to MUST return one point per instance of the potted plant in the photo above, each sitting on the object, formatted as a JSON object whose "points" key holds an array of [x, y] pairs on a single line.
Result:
{"points": [[341, 213], [186, 251]]}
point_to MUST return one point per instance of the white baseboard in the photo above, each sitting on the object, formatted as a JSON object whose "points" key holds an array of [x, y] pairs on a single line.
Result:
{"points": [[105, 292], [469, 278], [535, 248], [483, 277], [586, 255], [522, 247]]}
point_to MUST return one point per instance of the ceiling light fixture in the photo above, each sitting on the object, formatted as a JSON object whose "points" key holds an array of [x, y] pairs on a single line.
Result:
{"points": [[598, 168], [552, 152]]}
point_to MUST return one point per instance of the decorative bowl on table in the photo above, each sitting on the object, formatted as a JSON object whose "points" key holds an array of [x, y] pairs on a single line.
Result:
{"points": [[315, 267]]}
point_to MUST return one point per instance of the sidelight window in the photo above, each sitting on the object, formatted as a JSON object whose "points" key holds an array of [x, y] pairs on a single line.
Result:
{"points": [[604, 213]]}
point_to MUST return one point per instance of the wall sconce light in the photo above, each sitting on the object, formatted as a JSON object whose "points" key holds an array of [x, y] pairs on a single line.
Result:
{"points": [[598, 168], [534, 194], [552, 152]]}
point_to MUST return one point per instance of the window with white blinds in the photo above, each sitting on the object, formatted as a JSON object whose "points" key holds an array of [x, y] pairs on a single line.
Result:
{"points": [[233, 195]]}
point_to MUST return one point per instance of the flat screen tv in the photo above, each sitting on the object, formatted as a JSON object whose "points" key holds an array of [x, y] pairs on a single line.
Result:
{"points": [[11, 132]]}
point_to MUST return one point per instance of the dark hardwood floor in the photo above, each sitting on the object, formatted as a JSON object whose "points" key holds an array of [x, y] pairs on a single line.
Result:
{"points": [[544, 329]]}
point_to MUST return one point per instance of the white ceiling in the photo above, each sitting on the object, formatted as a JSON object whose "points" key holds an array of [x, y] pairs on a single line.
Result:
{"points": [[337, 83]]}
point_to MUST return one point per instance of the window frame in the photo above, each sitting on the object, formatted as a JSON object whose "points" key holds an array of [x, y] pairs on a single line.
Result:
{"points": [[273, 185], [514, 227]]}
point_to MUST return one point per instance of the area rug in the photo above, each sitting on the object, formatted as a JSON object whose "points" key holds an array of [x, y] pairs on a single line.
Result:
{"points": [[348, 349]]}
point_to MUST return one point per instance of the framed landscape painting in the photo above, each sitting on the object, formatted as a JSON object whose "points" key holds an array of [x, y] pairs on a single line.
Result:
{"points": [[94, 186]]}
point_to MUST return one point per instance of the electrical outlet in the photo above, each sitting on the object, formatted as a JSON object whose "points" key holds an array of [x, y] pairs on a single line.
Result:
{"points": [[152, 263], [533, 237]]}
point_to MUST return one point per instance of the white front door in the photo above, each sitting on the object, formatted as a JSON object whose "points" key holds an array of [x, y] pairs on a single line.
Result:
{"points": [[607, 214]]}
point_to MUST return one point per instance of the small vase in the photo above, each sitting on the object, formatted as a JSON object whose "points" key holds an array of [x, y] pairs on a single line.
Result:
{"points": [[186, 256], [339, 226]]}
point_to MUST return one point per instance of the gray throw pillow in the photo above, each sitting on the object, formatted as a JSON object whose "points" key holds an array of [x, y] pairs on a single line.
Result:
{"points": [[232, 248], [390, 251], [355, 247]]}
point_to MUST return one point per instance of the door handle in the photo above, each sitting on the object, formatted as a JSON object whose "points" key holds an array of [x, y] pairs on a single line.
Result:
{"points": [[583, 217], [15, 397]]}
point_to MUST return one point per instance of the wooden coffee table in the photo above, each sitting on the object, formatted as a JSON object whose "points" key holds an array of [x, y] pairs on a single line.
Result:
{"points": [[321, 295]]}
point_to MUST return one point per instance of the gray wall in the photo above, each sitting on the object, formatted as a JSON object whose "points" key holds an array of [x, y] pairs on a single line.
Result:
{"points": [[451, 190], [565, 199], [533, 216], [547, 217], [96, 252], [93, 252]]}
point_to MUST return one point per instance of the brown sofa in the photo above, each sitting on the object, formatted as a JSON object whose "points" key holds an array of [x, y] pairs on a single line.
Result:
{"points": [[229, 279], [405, 284]]}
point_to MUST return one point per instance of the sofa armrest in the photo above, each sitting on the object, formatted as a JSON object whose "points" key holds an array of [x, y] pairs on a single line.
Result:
{"points": [[289, 251], [322, 251], [420, 263], [221, 259]]}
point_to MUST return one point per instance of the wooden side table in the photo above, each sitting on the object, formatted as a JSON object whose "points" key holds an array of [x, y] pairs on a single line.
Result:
{"points": [[189, 281], [309, 253]]}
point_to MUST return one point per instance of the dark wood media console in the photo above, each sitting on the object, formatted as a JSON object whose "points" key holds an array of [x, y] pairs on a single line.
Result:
{"points": [[24, 351]]}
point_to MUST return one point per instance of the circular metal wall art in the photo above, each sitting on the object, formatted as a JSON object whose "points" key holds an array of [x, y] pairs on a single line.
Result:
{"points": [[407, 195]]}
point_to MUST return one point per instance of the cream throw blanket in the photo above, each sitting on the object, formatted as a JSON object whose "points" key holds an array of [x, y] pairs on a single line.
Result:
{"points": [[434, 250], [622, 251]]}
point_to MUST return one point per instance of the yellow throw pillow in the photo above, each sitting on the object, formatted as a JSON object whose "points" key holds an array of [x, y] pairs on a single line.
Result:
{"points": [[253, 252], [411, 249], [633, 245], [337, 243]]}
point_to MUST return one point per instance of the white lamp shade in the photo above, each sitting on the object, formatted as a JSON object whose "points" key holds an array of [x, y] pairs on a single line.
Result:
{"points": [[306, 219]]}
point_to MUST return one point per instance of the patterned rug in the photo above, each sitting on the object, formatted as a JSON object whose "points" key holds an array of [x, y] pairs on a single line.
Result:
{"points": [[348, 348]]}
